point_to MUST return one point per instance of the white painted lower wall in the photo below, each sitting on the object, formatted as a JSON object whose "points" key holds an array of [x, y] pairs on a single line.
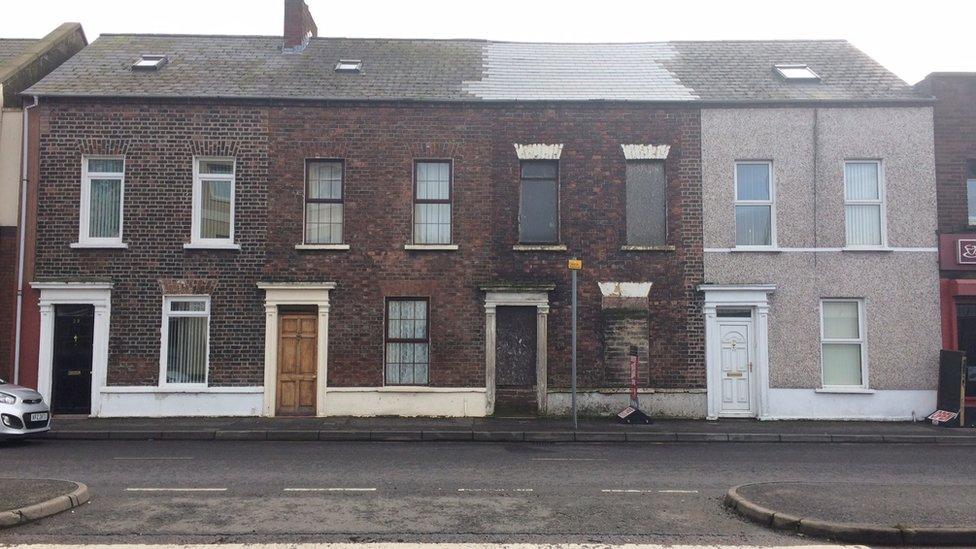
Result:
{"points": [[406, 401], [690, 403], [884, 405], [153, 402]]}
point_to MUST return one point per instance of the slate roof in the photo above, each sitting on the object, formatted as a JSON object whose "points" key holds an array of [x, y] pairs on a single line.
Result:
{"points": [[12, 47], [472, 70]]}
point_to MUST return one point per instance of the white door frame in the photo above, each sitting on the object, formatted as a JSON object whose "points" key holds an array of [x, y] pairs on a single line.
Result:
{"points": [[295, 293], [756, 298], [518, 297], [98, 294]]}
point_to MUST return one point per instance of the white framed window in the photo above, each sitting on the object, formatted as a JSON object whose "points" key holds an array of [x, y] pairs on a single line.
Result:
{"points": [[843, 357], [213, 203], [102, 193], [184, 355], [864, 208], [432, 202], [323, 201], [755, 205]]}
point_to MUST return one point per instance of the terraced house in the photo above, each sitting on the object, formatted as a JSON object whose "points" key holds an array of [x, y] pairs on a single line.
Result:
{"points": [[296, 225]]}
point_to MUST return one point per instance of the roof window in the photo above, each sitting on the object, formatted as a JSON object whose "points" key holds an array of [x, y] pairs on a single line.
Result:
{"points": [[797, 72], [149, 62], [349, 65]]}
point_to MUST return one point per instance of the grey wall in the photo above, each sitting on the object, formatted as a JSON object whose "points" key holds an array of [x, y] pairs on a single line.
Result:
{"points": [[900, 288]]}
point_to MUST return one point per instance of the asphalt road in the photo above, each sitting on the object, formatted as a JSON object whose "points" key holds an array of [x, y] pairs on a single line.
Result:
{"points": [[202, 492]]}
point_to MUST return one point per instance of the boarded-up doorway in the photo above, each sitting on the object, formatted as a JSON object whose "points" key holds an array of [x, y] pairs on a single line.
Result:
{"points": [[515, 361]]}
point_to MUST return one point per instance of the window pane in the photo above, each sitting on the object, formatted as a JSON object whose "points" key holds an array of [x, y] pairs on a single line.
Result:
{"points": [[752, 226], [103, 211], [647, 204], [432, 223], [861, 181], [841, 364], [545, 170], [863, 224], [105, 165], [186, 353], [433, 180], [407, 363], [197, 306], [537, 215], [840, 319], [216, 167], [325, 180], [971, 195], [323, 223], [215, 209], [752, 181]]}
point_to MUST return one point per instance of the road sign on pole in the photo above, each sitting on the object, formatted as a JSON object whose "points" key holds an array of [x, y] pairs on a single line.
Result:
{"points": [[574, 266]]}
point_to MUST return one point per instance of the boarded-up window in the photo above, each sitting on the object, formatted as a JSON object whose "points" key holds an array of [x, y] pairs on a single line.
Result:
{"points": [[647, 204], [539, 203]]}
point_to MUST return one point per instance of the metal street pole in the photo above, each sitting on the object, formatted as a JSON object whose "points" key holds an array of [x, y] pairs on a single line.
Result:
{"points": [[575, 420]]}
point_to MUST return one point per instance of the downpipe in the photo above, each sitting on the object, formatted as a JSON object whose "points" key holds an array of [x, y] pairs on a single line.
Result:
{"points": [[22, 229]]}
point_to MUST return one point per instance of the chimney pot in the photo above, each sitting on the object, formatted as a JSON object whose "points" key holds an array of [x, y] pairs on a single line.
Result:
{"points": [[299, 26]]}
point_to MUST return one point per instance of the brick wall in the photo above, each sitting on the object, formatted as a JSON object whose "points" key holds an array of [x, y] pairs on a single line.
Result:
{"points": [[379, 144], [8, 298]]}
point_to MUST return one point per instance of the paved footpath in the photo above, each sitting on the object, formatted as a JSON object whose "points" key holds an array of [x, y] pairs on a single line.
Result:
{"points": [[336, 491]]}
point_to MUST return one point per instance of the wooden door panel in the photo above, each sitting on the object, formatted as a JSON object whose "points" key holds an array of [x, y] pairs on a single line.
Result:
{"points": [[297, 364]]}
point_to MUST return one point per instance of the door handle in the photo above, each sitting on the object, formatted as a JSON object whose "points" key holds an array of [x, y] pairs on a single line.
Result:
{"points": [[750, 366]]}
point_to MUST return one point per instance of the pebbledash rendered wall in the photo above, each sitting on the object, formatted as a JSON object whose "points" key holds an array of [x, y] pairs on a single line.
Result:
{"points": [[808, 148], [378, 143]]}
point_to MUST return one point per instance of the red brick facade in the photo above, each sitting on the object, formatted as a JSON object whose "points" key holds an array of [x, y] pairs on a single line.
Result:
{"points": [[379, 144], [8, 298]]}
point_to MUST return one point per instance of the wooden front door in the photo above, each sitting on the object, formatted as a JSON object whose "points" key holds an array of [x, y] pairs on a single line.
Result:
{"points": [[297, 349]]}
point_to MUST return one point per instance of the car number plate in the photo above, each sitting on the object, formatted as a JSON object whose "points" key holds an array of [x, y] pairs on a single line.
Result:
{"points": [[39, 416]]}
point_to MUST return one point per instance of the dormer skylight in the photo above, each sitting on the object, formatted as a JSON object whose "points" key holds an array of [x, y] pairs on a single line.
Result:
{"points": [[797, 72], [349, 65], [149, 62]]}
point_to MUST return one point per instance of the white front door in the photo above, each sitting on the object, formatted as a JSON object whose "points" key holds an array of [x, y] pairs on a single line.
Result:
{"points": [[736, 367]]}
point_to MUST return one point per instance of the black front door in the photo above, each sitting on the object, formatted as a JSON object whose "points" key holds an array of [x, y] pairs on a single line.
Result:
{"points": [[73, 334], [515, 361]]}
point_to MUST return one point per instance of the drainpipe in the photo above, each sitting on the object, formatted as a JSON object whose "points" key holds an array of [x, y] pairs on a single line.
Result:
{"points": [[22, 236]]}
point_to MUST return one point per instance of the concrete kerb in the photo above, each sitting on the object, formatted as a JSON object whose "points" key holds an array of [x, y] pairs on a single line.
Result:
{"points": [[847, 532], [45, 508]]}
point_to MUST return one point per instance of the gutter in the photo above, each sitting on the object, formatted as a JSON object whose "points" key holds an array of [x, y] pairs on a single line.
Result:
{"points": [[22, 229]]}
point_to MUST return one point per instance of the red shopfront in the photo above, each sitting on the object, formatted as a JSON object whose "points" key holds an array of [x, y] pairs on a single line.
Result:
{"points": [[957, 265]]}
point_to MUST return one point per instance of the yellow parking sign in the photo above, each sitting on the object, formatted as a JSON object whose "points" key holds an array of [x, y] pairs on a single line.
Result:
{"points": [[575, 264]]}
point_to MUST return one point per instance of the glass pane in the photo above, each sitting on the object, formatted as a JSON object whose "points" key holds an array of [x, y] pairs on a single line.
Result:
{"points": [[323, 223], [216, 167], [393, 363], [432, 223], [325, 180], [433, 180], [863, 224], [215, 209], [840, 319], [537, 215], [198, 306], [539, 170], [103, 211], [861, 181], [971, 195], [186, 353], [752, 181], [647, 204], [841, 364], [105, 165], [752, 226]]}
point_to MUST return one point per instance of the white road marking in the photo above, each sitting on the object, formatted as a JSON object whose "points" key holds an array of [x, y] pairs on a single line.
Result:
{"points": [[495, 490], [436, 546], [631, 491], [330, 489], [569, 459], [176, 489], [677, 491], [152, 458]]}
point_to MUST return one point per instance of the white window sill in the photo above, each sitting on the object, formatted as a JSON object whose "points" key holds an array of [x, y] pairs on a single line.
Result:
{"points": [[211, 246], [336, 247], [759, 249], [93, 245], [539, 248], [431, 247], [867, 249], [630, 248], [845, 390], [176, 388]]}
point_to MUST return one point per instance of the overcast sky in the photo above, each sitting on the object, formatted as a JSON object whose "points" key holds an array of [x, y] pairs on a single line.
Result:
{"points": [[911, 38]]}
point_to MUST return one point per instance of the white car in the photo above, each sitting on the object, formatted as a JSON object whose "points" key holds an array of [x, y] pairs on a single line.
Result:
{"points": [[22, 411]]}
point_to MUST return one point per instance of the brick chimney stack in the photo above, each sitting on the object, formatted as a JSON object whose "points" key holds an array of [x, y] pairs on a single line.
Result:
{"points": [[299, 26]]}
